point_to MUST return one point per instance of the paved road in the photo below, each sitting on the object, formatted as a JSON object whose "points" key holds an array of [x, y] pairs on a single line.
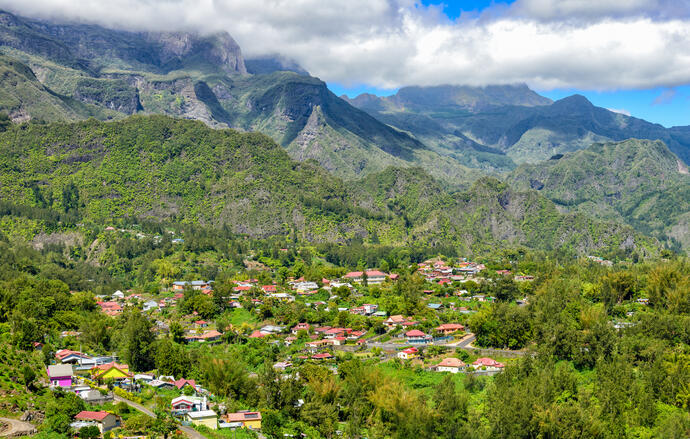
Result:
{"points": [[17, 428], [190, 432]]}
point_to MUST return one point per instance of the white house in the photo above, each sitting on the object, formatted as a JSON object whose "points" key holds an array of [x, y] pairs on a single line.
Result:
{"points": [[452, 365]]}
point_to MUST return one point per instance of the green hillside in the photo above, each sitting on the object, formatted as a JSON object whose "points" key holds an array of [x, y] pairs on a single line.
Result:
{"points": [[166, 169], [640, 182]]}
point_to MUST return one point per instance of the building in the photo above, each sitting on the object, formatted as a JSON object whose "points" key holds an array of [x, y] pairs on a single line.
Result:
{"points": [[374, 277], [181, 383], [300, 327], [60, 375], [114, 371], [244, 419], [396, 320], [185, 404], [408, 354], [452, 365], [207, 418], [449, 328], [488, 364], [103, 420], [416, 336]]}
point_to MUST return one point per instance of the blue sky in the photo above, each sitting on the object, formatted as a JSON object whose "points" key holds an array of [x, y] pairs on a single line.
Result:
{"points": [[666, 106]]}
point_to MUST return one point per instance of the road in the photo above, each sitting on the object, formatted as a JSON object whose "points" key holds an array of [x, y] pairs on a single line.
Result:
{"points": [[17, 428], [190, 432]]}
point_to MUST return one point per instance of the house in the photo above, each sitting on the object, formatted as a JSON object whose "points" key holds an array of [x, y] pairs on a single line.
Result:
{"points": [[300, 327], [396, 320], [408, 354], [114, 371], [354, 335], [181, 383], [449, 328], [159, 384], [272, 329], [119, 295], [103, 420], [370, 308], [488, 364], [184, 404], [149, 305], [144, 378], [210, 336], [302, 287], [207, 418], [66, 356], [60, 375], [322, 356], [435, 306], [244, 419], [269, 289], [110, 308], [93, 396], [416, 336], [374, 277], [283, 297], [452, 365], [282, 365], [257, 334]]}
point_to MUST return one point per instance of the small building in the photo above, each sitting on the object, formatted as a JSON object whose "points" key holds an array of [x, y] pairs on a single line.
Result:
{"points": [[408, 354], [452, 365], [416, 336], [185, 404], [374, 277], [181, 383], [114, 371], [207, 418], [244, 419], [449, 328], [488, 364], [60, 375], [103, 420], [300, 327], [393, 321]]}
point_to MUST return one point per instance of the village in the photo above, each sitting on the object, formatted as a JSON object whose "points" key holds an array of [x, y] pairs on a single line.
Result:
{"points": [[434, 339]]}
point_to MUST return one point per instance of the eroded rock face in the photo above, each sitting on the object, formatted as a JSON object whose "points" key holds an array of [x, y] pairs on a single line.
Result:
{"points": [[182, 47]]}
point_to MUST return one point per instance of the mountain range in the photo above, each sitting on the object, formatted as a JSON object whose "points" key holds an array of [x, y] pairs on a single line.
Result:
{"points": [[511, 120], [424, 164]]}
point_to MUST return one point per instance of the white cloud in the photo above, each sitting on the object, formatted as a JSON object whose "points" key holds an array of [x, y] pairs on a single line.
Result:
{"points": [[388, 43]]}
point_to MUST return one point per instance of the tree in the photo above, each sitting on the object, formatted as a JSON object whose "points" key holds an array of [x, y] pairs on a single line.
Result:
{"points": [[29, 376], [176, 332], [226, 377], [171, 358], [90, 432], [451, 407], [138, 341]]}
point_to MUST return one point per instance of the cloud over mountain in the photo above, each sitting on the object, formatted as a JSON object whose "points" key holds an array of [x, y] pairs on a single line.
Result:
{"points": [[389, 43]]}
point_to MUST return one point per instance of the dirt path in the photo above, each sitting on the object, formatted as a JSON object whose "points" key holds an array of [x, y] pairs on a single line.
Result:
{"points": [[16, 428]]}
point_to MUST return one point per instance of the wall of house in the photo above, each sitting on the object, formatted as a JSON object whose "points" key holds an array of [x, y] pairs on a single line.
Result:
{"points": [[211, 423]]}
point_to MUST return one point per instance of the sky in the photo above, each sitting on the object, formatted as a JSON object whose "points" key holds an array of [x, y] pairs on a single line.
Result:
{"points": [[631, 56]]}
